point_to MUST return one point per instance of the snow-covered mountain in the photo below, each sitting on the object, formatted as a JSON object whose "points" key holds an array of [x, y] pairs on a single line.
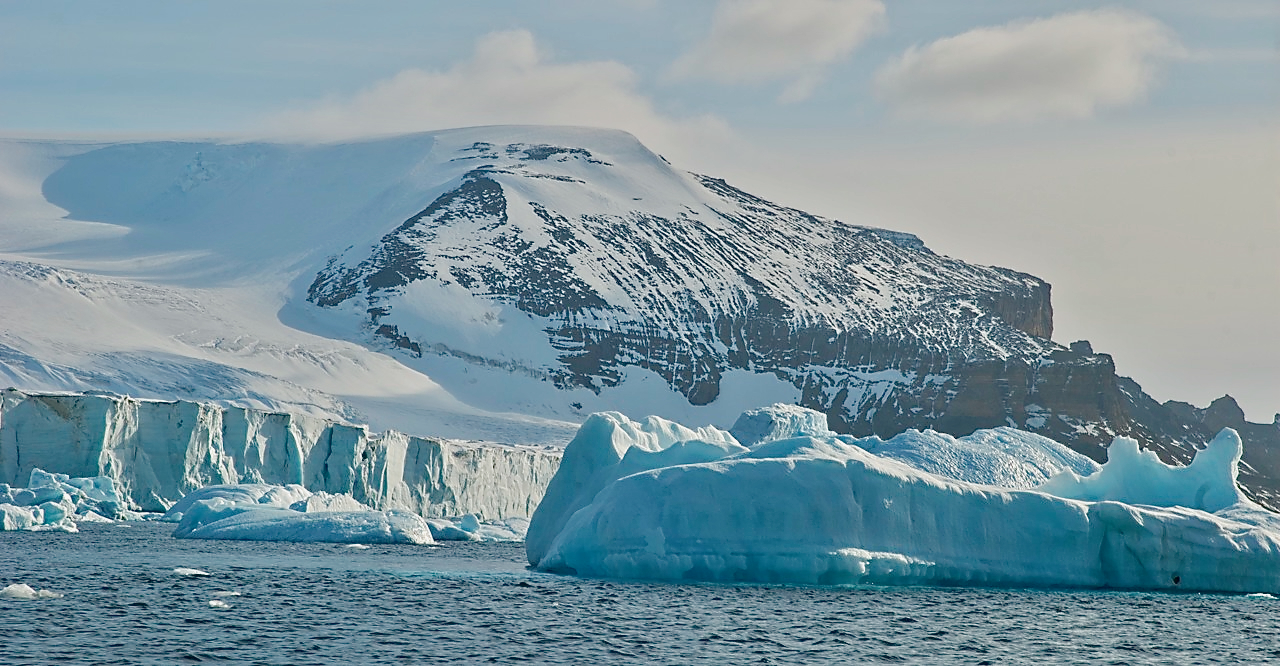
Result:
{"points": [[503, 282]]}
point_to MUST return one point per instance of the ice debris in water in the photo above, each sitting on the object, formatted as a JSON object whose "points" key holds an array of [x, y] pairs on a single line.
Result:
{"points": [[798, 504], [57, 501], [25, 592], [262, 512]]}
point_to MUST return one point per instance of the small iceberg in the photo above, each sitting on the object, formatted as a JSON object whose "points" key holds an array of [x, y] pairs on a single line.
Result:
{"points": [[259, 512], [791, 502], [56, 502], [24, 592]]}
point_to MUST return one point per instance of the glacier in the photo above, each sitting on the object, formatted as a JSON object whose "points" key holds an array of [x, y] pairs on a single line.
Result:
{"points": [[155, 452], [656, 500]]}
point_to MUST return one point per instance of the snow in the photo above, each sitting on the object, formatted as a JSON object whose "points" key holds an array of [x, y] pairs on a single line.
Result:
{"points": [[1003, 457], [180, 269], [821, 509]]}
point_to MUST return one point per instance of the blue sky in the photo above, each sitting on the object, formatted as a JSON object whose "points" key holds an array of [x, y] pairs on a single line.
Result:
{"points": [[1127, 152]]}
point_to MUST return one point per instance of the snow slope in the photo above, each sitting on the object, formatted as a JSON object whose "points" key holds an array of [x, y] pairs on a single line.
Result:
{"points": [[823, 510], [240, 273]]}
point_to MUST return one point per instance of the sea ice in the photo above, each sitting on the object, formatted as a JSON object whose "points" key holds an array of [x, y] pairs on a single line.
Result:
{"points": [[820, 508]]}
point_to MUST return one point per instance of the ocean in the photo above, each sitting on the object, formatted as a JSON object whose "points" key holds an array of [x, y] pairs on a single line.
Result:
{"points": [[131, 594]]}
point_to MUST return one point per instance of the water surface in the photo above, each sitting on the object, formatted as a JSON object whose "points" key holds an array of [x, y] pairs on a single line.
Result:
{"points": [[476, 603]]}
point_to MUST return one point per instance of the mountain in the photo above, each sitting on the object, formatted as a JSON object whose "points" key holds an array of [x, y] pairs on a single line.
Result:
{"points": [[503, 282]]}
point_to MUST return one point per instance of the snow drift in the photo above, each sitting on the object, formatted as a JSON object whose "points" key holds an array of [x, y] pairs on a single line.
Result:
{"points": [[815, 508]]}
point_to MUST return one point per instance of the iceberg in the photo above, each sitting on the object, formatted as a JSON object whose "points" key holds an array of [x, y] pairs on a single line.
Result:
{"points": [[655, 500], [265, 512], [58, 501], [261, 512]]}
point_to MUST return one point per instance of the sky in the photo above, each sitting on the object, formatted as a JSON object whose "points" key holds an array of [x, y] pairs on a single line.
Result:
{"points": [[1126, 152]]}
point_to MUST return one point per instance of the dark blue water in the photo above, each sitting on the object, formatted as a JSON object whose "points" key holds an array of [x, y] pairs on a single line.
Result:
{"points": [[476, 604]]}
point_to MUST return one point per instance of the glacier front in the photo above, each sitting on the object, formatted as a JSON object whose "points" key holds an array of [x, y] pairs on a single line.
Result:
{"points": [[655, 500], [155, 452]]}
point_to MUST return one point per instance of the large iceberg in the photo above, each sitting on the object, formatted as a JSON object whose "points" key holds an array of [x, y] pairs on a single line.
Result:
{"points": [[654, 500]]}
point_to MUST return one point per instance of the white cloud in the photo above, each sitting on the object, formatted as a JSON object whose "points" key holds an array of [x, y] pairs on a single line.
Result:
{"points": [[507, 80], [1065, 66], [755, 41]]}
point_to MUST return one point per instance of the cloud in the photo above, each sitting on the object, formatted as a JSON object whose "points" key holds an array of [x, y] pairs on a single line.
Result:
{"points": [[506, 80], [1065, 66], [758, 41]]}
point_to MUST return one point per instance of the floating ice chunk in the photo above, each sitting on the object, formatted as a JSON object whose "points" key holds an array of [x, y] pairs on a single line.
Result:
{"points": [[822, 510], [25, 592], [270, 524], [443, 529], [218, 603], [93, 517], [184, 571], [53, 502], [16, 517], [242, 493], [361, 546]]}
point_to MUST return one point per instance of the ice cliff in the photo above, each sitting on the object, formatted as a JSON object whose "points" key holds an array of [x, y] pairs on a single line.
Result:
{"points": [[655, 500], [156, 452]]}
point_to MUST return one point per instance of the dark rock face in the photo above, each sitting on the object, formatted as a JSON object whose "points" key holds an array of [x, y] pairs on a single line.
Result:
{"points": [[868, 325]]}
